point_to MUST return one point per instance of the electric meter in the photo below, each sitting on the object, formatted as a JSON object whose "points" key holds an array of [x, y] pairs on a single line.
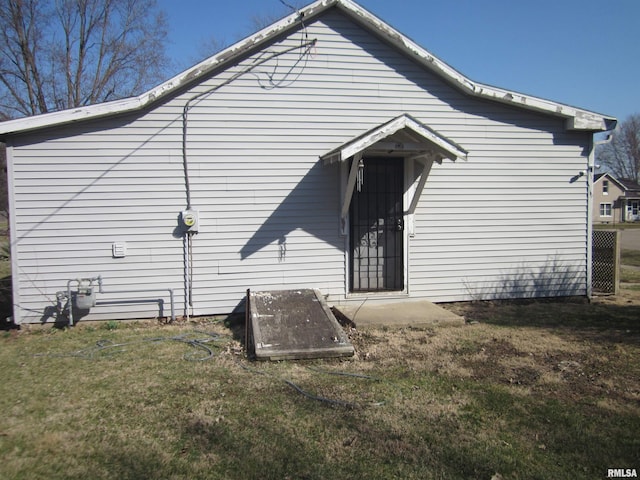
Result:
{"points": [[190, 220]]}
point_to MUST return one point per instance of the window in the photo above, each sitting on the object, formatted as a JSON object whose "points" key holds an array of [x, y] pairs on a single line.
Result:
{"points": [[632, 213], [605, 209], [605, 187]]}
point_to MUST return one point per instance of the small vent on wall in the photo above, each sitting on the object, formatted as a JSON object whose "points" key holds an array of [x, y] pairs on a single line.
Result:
{"points": [[119, 249]]}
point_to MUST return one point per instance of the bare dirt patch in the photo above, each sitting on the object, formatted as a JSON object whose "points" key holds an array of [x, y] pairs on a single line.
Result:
{"points": [[570, 349], [527, 389]]}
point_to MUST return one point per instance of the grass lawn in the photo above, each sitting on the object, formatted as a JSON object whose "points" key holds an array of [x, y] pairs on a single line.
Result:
{"points": [[628, 275], [630, 257], [529, 390], [5, 288], [617, 226]]}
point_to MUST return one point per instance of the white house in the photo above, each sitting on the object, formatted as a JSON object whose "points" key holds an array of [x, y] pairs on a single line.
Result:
{"points": [[326, 151]]}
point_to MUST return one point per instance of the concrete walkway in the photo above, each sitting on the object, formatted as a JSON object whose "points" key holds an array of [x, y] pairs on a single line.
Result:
{"points": [[395, 313]]}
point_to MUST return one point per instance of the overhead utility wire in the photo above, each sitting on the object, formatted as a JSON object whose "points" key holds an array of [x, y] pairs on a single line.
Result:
{"points": [[288, 5], [306, 46], [273, 83]]}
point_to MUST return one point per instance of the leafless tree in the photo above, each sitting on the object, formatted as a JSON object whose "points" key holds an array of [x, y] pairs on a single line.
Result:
{"points": [[58, 54], [621, 156], [257, 22]]}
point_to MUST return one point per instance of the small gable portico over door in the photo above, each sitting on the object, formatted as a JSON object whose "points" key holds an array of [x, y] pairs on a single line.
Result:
{"points": [[379, 198]]}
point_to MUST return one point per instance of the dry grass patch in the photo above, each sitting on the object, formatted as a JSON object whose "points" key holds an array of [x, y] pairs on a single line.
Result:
{"points": [[533, 390]]}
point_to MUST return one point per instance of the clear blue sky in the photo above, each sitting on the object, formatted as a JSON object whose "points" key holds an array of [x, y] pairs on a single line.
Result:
{"points": [[584, 53]]}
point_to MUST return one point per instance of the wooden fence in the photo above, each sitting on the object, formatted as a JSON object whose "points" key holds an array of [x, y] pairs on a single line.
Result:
{"points": [[606, 261]]}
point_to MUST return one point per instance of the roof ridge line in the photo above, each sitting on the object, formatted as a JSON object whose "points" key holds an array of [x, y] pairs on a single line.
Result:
{"points": [[576, 118]]}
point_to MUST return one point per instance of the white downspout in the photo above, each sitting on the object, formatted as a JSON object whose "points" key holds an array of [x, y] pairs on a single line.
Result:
{"points": [[590, 163], [13, 238]]}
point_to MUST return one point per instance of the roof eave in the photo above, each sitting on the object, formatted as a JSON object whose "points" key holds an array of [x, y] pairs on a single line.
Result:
{"points": [[576, 119], [145, 99], [620, 185], [72, 115], [434, 142]]}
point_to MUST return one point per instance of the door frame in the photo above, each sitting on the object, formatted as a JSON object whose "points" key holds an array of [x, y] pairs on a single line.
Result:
{"points": [[409, 187]]}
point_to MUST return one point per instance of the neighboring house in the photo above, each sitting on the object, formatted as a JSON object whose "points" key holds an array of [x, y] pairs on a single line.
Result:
{"points": [[606, 192], [630, 201], [614, 200], [326, 151]]}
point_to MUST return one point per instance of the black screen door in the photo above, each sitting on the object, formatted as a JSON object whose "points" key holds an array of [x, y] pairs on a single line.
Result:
{"points": [[376, 222]]}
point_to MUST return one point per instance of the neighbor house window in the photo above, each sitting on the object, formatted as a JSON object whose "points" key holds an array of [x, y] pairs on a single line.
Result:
{"points": [[605, 187], [605, 209], [633, 208]]}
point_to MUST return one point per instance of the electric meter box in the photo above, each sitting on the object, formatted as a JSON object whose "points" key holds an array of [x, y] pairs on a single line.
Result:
{"points": [[190, 220]]}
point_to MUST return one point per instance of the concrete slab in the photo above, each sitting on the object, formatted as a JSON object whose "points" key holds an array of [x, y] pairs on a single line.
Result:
{"points": [[395, 313], [293, 324]]}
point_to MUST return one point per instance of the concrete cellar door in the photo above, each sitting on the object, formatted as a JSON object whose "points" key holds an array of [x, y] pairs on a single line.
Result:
{"points": [[377, 227]]}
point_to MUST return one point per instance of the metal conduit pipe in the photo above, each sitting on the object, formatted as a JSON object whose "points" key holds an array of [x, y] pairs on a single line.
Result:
{"points": [[101, 290], [141, 290]]}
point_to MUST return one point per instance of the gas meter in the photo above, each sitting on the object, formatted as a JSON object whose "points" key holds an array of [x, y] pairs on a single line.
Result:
{"points": [[190, 220]]}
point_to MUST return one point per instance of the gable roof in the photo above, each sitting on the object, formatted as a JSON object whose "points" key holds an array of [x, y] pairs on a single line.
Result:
{"points": [[576, 118], [629, 187], [606, 175], [406, 135]]}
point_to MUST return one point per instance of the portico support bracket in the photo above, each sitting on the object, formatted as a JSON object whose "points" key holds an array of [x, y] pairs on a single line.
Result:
{"points": [[427, 163], [348, 193]]}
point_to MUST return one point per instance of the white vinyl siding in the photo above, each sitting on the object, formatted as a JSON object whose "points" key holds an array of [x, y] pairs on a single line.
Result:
{"points": [[505, 223]]}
